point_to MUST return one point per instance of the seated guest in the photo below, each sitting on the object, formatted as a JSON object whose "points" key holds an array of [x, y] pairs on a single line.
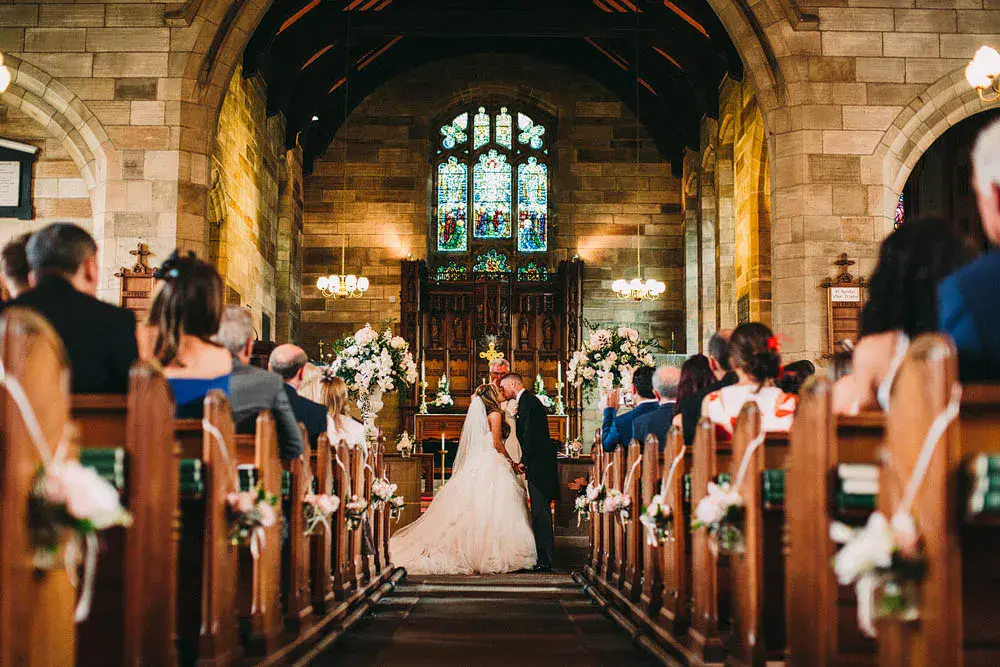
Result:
{"points": [[311, 386], [657, 422], [902, 303], [967, 300], [756, 358], [696, 376], [340, 425], [617, 429], [99, 338], [289, 361], [795, 374], [718, 361], [14, 266], [253, 389], [184, 315]]}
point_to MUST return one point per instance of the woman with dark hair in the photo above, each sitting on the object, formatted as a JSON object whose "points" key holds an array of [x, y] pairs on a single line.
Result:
{"points": [[795, 374], [902, 303], [696, 375], [756, 357], [185, 314]]}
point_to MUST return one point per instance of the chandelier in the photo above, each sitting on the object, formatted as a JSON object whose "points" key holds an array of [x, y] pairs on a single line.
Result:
{"points": [[341, 286], [983, 73], [4, 75]]}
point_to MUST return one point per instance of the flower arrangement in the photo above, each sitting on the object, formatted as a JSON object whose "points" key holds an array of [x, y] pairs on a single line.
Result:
{"points": [[249, 513], [69, 498], [574, 448], [354, 511], [382, 492], [443, 398], [543, 397], [608, 358], [616, 502], [720, 512], [657, 519], [885, 561], [373, 364], [404, 445], [581, 506], [596, 492], [396, 505], [319, 509]]}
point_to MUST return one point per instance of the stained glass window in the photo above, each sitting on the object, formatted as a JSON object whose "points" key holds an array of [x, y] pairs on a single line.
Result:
{"points": [[491, 195], [532, 206], [451, 271], [504, 128], [481, 129], [452, 191], [532, 272], [492, 261], [530, 134], [454, 133], [900, 211]]}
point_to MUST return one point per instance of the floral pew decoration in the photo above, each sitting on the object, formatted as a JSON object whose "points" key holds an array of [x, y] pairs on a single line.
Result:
{"points": [[250, 512], [354, 511], [319, 510], [885, 559], [657, 518], [592, 500], [581, 504], [618, 501], [384, 494]]}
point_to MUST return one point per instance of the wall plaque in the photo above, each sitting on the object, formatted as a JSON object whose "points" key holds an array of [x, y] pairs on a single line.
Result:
{"points": [[16, 160], [845, 297], [10, 183]]}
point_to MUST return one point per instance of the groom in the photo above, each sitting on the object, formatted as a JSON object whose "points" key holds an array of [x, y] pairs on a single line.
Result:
{"points": [[538, 461]]}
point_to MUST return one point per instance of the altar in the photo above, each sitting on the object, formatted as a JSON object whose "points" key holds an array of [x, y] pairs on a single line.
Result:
{"points": [[429, 431]]}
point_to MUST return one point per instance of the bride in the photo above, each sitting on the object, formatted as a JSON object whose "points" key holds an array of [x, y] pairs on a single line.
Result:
{"points": [[478, 523]]}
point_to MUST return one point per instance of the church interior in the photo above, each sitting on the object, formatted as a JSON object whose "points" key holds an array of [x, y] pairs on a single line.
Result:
{"points": [[522, 185]]}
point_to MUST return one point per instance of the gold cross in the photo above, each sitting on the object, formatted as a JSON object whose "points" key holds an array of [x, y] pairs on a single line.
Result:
{"points": [[492, 353]]}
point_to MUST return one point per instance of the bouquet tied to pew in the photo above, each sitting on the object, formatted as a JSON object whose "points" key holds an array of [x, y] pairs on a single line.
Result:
{"points": [[657, 520], [354, 511], [582, 503], [618, 502], [608, 358], [74, 501], [720, 512], [319, 509], [885, 561], [250, 512]]}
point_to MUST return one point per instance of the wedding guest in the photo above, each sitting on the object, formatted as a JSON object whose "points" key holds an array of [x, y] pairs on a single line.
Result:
{"points": [[99, 338], [902, 303], [756, 359], [499, 368], [657, 422], [795, 374], [183, 318], [696, 376], [253, 389], [616, 430], [14, 266], [311, 386], [340, 425], [719, 363], [967, 299], [289, 361]]}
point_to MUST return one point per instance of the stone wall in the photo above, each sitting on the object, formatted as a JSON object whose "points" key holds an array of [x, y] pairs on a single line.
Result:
{"points": [[247, 166], [59, 192]]}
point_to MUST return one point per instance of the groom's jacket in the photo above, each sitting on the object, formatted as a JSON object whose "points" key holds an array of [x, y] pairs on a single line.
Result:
{"points": [[538, 454]]}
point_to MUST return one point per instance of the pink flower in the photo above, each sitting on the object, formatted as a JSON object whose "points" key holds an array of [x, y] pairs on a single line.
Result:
{"points": [[267, 515], [54, 486]]}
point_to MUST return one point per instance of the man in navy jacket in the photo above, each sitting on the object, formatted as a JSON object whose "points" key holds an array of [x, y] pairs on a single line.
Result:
{"points": [[657, 422], [616, 430]]}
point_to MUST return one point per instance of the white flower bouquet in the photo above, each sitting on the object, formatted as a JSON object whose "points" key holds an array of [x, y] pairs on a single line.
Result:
{"points": [[382, 492], [374, 364], [608, 358], [596, 492], [581, 506], [657, 520], [721, 514], [616, 502], [885, 561], [404, 445], [354, 511], [249, 513], [443, 398], [319, 508], [68, 497], [396, 505]]}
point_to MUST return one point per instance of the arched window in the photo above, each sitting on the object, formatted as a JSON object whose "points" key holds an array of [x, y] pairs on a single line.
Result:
{"points": [[491, 193]]}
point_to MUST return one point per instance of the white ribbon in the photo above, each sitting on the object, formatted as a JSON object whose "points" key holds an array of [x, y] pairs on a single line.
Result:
{"points": [[216, 434], [933, 437], [665, 486], [89, 572], [631, 471], [745, 462]]}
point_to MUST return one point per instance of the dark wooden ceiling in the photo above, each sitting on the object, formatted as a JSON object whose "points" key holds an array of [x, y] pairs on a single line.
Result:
{"points": [[308, 50]]}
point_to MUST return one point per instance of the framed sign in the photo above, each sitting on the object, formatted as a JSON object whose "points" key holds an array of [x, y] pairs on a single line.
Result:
{"points": [[845, 297], [16, 161]]}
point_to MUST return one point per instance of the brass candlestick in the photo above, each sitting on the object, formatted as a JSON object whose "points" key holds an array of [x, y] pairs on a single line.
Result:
{"points": [[423, 398], [560, 406]]}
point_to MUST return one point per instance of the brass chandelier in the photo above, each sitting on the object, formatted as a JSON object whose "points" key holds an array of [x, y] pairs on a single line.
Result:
{"points": [[983, 73], [342, 285]]}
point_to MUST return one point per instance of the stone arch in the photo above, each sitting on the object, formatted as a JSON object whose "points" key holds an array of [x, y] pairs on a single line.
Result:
{"points": [[929, 115]]}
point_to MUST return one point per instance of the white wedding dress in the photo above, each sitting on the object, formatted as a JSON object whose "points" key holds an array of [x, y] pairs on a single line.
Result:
{"points": [[478, 523]]}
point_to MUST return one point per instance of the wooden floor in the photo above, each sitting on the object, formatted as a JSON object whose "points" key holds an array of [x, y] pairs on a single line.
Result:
{"points": [[514, 620]]}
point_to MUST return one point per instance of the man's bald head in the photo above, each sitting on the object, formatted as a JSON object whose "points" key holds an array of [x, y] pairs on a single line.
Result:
{"points": [[665, 382], [288, 361]]}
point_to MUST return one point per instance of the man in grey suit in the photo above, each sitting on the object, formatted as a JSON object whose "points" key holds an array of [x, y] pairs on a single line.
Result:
{"points": [[253, 389]]}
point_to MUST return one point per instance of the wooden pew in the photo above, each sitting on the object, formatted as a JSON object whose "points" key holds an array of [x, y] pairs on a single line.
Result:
{"points": [[674, 559], [36, 607], [355, 538], [630, 581], [260, 578], [343, 561], [323, 540], [960, 590], [383, 563], [651, 573], [597, 523], [821, 615], [758, 573], [207, 560], [609, 523], [709, 573], [296, 591], [132, 618]]}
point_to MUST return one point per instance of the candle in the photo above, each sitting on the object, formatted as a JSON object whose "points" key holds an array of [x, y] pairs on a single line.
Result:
{"points": [[442, 442], [447, 363], [423, 370], [559, 372]]}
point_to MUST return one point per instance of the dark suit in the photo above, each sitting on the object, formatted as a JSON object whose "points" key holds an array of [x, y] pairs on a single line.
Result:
{"points": [[99, 337], [617, 429], [253, 390], [656, 422], [310, 414], [690, 407], [967, 312], [539, 457]]}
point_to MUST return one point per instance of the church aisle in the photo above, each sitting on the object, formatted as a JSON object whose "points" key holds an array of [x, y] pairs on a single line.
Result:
{"points": [[513, 620]]}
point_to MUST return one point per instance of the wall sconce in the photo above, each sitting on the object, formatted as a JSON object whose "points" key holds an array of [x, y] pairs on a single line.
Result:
{"points": [[982, 73]]}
